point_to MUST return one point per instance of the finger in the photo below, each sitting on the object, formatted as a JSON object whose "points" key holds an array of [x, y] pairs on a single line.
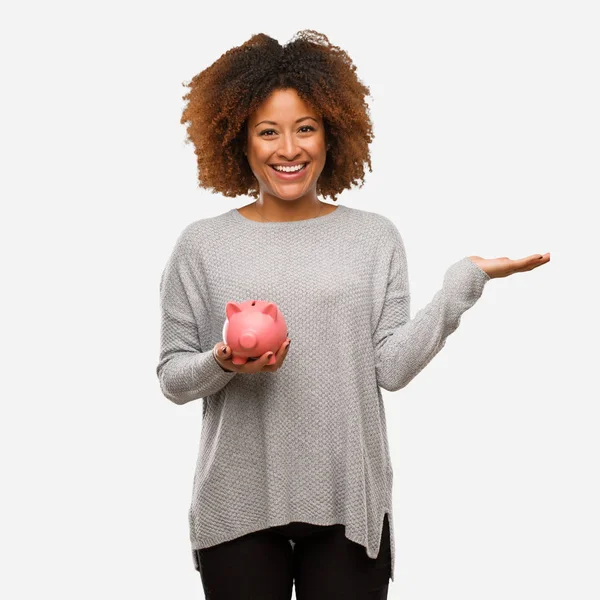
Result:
{"points": [[223, 356], [283, 352], [537, 258], [531, 262]]}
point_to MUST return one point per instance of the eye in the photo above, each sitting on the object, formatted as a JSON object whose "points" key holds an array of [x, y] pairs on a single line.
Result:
{"points": [[309, 127]]}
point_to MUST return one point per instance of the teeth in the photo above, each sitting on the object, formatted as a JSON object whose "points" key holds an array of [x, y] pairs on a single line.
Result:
{"points": [[290, 169]]}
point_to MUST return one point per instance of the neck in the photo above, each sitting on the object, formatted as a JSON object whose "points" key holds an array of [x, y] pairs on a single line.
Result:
{"points": [[292, 210]]}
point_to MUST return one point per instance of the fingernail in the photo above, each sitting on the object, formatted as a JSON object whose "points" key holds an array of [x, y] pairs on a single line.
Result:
{"points": [[289, 342]]}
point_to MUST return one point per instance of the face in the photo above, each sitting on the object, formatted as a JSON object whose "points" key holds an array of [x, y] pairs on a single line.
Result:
{"points": [[280, 133]]}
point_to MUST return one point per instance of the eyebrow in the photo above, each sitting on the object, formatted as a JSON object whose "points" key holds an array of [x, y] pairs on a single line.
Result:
{"points": [[297, 121]]}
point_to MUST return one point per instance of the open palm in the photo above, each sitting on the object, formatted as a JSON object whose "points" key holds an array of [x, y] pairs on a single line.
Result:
{"points": [[504, 266]]}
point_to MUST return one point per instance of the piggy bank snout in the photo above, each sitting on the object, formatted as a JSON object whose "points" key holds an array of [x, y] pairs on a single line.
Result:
{"points": [[248, 340]]}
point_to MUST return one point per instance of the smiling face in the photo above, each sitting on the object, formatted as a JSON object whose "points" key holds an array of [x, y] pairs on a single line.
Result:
{"points": [[285, 130]]}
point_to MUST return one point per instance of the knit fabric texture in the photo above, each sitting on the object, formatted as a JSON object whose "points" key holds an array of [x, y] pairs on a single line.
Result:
{"points": [[309, 441]]}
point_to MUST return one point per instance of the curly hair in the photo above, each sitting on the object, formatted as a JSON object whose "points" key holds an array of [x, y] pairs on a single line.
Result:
{"points": [[223, 96]]}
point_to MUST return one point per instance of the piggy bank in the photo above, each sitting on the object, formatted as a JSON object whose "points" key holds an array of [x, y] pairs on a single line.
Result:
{"points": [[253, 328]]}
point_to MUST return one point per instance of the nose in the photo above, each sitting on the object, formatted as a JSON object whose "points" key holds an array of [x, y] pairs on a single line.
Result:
{"points": [[248, 340], [288, 149]]}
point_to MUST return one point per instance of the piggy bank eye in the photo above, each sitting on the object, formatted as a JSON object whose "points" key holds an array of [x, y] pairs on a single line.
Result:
{"points": [[253, 302]]}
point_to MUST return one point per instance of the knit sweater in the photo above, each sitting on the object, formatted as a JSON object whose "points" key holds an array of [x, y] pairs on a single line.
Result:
{"points": [[307, 442]]}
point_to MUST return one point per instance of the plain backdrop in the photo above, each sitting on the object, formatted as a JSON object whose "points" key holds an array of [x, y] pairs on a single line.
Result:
{"points": [[486, 119]]}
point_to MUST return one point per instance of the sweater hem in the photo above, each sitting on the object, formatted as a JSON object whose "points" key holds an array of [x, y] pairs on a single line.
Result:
{"points": [[220, 539]]}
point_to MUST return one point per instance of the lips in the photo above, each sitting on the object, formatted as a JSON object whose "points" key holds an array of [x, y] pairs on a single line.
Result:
{"points": [[293, 175], [273, 167]]}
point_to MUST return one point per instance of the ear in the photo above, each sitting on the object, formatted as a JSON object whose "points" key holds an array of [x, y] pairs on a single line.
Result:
{"points": [[271, 310], [231, 309]]}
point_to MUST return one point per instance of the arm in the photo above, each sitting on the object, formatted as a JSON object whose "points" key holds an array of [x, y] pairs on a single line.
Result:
{"points": [[185, 371], [403, 347]]}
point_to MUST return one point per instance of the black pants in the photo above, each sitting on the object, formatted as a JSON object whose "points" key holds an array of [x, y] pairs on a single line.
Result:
{"points": [[323, 563]]}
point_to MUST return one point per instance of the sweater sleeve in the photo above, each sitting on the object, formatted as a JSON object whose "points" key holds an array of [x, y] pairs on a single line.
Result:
{"points": [[185, 370], [404, 346]]}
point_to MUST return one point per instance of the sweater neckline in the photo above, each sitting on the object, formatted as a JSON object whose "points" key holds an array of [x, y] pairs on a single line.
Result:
{"points": [[310, 222]]}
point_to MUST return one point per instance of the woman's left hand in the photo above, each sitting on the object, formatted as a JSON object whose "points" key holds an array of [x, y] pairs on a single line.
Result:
{"points": [[503, 267]]}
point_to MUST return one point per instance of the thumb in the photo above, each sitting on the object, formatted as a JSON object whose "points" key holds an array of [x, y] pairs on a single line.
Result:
{"points": [[221, 350]]}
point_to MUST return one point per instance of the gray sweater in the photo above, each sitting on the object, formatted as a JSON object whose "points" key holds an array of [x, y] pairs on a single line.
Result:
{"points": [[307, 442]]}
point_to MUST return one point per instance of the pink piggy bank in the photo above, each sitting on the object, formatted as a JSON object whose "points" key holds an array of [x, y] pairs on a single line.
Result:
{"points": [[253, 328]]}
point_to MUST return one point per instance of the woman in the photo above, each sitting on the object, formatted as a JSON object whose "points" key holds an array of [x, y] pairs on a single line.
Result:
{"points": [[294, 480]]}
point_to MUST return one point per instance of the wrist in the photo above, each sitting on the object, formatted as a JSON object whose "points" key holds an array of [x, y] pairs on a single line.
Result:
{"points": [[220, 365]]}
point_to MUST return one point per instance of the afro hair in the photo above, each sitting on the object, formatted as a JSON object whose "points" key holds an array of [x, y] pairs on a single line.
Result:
{"points": [[223, 96]]}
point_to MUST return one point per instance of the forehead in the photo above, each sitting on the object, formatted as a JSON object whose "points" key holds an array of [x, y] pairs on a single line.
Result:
{"points": [[283, 105]]}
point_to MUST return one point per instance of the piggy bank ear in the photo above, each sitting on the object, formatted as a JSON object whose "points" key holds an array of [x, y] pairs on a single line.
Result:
{"points": [[271, 310], [231, 309]]}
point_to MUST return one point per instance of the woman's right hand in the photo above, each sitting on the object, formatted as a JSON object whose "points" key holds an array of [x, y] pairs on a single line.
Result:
{"points": [[224, 359]]}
